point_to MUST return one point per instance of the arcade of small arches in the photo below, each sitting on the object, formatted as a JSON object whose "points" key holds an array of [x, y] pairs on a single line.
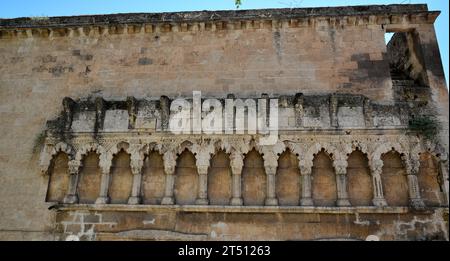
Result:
{"points": [[321, 172]]}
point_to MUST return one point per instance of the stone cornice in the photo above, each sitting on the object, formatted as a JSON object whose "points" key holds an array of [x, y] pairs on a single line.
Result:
{"points": [[216, 20]]}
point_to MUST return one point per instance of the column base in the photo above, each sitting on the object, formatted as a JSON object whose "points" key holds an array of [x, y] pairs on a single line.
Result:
{"points": [[343, 203], [236, 202], [201, 201], [306, 202], [417, 203], [102, 200], [271, 202], [167, 201], [379, 202], [70, 199], [134, 200]]}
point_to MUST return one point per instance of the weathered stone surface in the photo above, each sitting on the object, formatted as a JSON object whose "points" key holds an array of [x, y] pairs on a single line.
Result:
{"points": [[116, 120], [83, 122], [85, 109]]}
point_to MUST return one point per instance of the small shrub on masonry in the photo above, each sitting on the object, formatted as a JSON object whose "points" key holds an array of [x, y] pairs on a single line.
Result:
{"points": [[428, 126]]}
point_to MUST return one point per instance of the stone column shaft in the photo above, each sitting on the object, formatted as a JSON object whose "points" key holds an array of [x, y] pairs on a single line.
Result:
{"points": [[378, 196], [168, 190], [271, 199], [169, 169], [414, 195], [71, 196], [202, 197], [104, 187], [236, 200], [340, 168], [306, 197], [342, 194], [135, 197]]}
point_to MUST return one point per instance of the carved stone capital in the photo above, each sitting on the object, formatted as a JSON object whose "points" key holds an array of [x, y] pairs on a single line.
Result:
{"points": [[74, 167], [105, 164], [169, 163], [340, 170], [376, 167], [305, 170], [270, 170], [202, 170], [236, 162], [412, 167], [340, 167], [136, 167]]}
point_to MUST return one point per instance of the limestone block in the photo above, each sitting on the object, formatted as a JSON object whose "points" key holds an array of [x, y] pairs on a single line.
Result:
{"points": [[350, 117], [145, 121], [116, 120], [317, 117], [83, 121], [388, 120]]}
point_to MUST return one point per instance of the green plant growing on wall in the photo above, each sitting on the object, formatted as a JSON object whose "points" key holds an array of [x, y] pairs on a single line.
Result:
{"points": [[238, 3], [428, 126]]}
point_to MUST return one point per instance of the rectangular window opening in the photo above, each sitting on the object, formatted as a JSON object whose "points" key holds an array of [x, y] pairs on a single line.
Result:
{"points": [[405, 58]]}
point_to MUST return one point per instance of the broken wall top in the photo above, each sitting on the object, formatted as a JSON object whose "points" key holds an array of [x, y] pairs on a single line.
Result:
{"points": [[377, 13]]}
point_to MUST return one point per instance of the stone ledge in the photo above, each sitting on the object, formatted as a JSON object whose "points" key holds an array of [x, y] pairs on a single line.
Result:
{"points": [[243, 209], [144, 133], [198, 16], [133, 23]]}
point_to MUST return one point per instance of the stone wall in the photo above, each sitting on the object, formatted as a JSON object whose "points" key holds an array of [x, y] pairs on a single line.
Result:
{"points": [[195, 223], [85, 103]]}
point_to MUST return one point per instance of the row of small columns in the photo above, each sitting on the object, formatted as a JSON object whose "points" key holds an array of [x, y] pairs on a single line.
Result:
{"points": [[236, 169]]}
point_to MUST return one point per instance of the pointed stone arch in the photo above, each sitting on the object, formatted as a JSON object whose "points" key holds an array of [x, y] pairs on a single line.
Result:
{"points": [[186, 178], [324, 187], [90, 176], [254, 180], [120, 186], [58, 182], [360, 185], [288, 185], [394, 178], [386, 147], [220, 179], [49, 151], [335, 155], [153, 175]]}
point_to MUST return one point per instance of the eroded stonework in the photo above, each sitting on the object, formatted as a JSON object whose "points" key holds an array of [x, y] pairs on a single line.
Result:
{"points": [[362, 143]]}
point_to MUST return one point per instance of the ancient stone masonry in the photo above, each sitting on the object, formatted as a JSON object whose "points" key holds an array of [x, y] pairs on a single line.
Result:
{"points": [[353, 155], [350, 130]]}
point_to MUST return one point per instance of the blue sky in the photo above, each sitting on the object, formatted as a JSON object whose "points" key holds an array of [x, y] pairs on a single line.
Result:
{"points": [[21, 8]]}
